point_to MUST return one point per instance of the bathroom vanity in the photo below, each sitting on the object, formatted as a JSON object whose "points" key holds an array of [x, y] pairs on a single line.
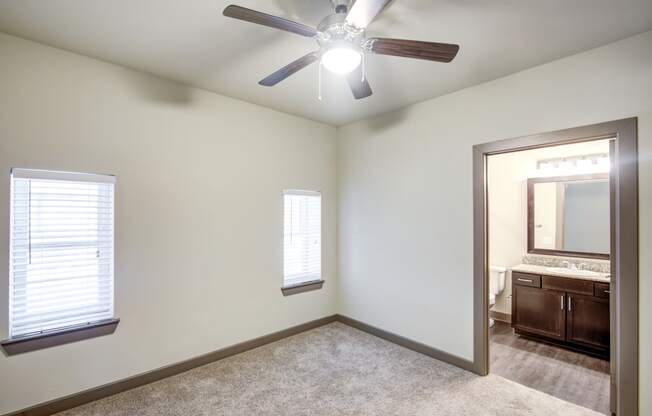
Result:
{"points": [[562, 306], [555, 298]]}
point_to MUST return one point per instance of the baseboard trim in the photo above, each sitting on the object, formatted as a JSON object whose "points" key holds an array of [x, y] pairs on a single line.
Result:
{"points": [[408, 343], [501, 316], [109, 389]]}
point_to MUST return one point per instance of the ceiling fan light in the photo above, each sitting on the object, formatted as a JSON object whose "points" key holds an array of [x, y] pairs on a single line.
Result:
{"points": [[341, 60]]}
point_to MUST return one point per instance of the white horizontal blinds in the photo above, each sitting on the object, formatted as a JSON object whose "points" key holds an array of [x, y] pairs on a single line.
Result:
{"points": [[301, 237], [61, 271]]}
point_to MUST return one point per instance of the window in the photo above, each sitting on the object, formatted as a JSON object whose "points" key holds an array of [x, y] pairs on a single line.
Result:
{"points": [[301, 237], [61, 251]]}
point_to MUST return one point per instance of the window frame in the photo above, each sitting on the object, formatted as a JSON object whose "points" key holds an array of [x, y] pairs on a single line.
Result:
{"points": [[309, 285], [20, 343]]}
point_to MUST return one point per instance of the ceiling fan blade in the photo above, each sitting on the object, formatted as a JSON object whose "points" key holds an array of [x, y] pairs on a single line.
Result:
{"points": [[265, 19], [359, 87], [289, 69], [364, 12], [431, 51]]}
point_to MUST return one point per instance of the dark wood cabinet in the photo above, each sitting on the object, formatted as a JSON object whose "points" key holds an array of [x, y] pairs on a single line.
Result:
{"points": [[528, 302], [570, 312], [588, 321]]}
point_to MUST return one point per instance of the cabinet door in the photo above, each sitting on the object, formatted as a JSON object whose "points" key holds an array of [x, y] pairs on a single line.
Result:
{"points": [[538, 311], [588, 321]]}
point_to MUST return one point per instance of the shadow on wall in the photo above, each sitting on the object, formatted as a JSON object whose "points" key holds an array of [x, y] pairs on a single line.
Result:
{"points": [[385, 121], [159, 90]]}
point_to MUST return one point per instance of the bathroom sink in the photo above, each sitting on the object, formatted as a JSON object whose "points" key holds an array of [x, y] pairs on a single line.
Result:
{"points": [[573, 272]]}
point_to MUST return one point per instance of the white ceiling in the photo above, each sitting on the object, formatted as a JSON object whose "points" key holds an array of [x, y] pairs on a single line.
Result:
{"points": [[190, 41]]}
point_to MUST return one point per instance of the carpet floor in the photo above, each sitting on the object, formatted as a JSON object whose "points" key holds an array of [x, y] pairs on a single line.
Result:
{"points": [[331, 370]]}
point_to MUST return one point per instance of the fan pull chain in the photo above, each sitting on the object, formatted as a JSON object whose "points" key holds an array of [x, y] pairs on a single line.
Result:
{"points": [[319, 81], [363, 67]]}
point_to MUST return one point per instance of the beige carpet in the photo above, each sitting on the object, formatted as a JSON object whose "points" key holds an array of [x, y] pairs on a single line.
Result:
{"points": [[332, 370]]}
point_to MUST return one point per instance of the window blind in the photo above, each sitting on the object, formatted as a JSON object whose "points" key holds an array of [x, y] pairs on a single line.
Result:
{"points": [[61, 250], [301, 237]]}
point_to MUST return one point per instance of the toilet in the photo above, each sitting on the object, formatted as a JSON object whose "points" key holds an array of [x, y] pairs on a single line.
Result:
{"points": [[496, 285]]}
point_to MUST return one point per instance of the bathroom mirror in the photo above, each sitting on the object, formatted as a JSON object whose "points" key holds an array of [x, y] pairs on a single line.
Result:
{"points": [[569, 215]]}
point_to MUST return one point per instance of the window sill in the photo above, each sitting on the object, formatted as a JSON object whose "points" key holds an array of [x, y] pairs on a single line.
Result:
{"points": [[26, 343], [302, 287]]}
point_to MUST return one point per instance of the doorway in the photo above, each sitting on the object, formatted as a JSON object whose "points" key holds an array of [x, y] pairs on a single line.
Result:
{"points": [[549, 244], [621, 289]]}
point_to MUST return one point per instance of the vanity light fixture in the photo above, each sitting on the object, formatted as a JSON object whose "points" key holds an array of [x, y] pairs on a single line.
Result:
{"points": [[575, 165]]}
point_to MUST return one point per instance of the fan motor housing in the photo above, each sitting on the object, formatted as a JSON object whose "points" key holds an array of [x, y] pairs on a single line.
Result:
{"points": [[334, 29], [341, 6]]}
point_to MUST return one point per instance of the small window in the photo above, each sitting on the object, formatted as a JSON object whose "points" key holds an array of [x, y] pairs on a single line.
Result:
{"points": [[301, 237], [61, 251]]}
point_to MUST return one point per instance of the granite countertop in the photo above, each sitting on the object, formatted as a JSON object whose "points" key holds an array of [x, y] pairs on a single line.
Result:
{"points": [[536, 269]]}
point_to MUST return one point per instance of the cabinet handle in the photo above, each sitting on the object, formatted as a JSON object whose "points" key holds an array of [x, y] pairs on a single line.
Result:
{"points": [[570, 302], [525, 280], [562, 302], [607, 291]]}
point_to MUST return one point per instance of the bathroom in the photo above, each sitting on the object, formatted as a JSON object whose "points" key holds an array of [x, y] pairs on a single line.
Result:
{"points": [[550, 237]]}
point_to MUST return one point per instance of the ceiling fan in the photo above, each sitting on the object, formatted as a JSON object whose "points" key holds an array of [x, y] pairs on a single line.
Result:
{"points": [[343, 42]]}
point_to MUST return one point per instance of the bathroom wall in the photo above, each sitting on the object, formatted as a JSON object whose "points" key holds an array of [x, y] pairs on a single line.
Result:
{"points": [[507, 184]]}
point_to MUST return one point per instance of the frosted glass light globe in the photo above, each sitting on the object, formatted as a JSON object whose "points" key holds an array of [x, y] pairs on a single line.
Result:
{"points": [[341, 60]]}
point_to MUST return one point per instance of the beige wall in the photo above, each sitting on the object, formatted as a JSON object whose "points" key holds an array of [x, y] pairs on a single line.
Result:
{"points": [[507, 176], [405, 190], [198, 211]]}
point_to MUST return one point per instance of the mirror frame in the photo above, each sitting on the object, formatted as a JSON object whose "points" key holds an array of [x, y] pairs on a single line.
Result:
{"points": [[530, 215]]}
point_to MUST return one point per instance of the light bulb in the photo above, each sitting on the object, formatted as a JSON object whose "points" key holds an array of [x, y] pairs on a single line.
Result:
{"points": [[341, 60]]}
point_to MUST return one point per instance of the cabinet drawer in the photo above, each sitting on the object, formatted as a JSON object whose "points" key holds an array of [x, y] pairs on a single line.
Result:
{"points": [[602, 290], [526, 279], [570, 285]]}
